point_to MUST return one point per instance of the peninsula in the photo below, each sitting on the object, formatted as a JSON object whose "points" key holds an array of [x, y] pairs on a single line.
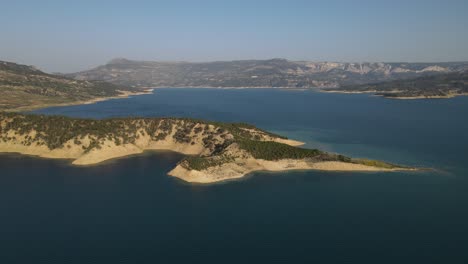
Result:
{"points": [[215, 151]]}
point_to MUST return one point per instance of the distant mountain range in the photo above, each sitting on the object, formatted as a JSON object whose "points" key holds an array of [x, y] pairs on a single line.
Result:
{"points": [[26, 87], [259, 73]]}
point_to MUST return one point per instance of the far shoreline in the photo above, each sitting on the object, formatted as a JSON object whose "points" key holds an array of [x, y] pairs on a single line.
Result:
{"points": [[122, 95], [324, 90], [150, 90], [378, 94]]}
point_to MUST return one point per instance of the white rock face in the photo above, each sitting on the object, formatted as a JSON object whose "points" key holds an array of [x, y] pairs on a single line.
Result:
{"points": [[434, 69]]}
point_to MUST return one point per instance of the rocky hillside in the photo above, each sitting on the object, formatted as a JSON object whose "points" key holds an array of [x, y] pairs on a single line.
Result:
{"points": [[25, 87], [258, 73], [436, 86], [218, 151]]}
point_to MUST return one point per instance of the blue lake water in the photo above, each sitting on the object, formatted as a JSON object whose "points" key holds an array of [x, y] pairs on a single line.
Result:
{"points": [[129, 209]]}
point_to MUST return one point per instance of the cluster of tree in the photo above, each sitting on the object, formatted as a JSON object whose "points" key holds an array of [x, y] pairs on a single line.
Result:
{"points": [[375, 163], [201, 163], [269, 150], [55, 131], [182, 135]]}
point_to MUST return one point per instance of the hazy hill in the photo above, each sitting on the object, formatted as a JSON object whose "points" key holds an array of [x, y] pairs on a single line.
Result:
{"points": [[24, 87], [258, 73]]}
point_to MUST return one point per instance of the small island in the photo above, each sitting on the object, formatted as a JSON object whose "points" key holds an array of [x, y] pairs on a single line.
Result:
{"points": [[215, 151]]}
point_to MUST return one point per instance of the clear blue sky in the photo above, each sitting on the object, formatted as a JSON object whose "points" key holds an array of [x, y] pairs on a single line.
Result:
{"points": [[68, 36]]}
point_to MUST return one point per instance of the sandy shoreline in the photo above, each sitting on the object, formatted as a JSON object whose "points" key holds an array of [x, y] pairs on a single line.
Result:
{"points": [[225, 87], [426, 97], [379, 93], [243, 167], [228, 171], [110, 150], [238, 168], [346, 92], [122, 95]]}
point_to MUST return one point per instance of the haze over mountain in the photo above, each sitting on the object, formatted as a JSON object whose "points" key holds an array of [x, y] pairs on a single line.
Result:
{"points": [[64, 36], [259, 73]]}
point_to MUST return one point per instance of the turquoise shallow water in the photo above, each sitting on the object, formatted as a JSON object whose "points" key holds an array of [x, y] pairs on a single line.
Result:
{"points": [[129, 209]]}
